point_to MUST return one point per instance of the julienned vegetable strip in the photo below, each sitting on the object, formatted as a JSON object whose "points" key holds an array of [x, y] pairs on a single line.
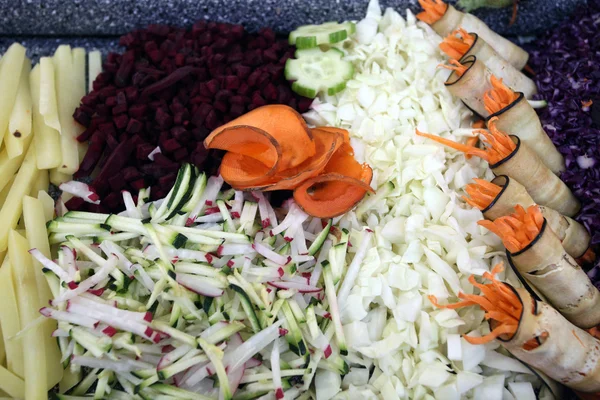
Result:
{"points": [[433, 10], [455, 66], [457, 43], [481, 193], [519, 229], [499, 97]]}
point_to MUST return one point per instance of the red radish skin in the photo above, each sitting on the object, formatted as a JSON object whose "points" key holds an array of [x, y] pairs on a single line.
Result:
{"points": [[170, 88]]}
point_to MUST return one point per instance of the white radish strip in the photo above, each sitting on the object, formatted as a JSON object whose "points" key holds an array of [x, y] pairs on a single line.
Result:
{"points": [[213, 186], [296, 279], [300, 300], [264, 272], [210, 218], [270, 254], [145, 279], [120, 365], [315, 226], [210, 226], [238, 203], [295, 215], [303, 258], [151, 252], [116, 312], [80, 320], [51, 265], [267, 215], [60, 333], [301, 287], [89, 283], [69, 259], [265, 376], [154, 152], [129, 377], [130, 207], [81, 190], [309, 236], [306, 266], [235, 249], [60, 208], [119, 323], [316, 275], [93, 297], [235, 375], [252, 363], [109, 248], [199, 286], [173, 356], [68, 351], [354, 268], [300, 241], [276, 370], [250, 347]]}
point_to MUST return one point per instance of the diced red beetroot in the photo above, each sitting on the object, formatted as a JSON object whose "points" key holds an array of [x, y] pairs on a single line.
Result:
{"points": [[121, 121], [163, 119], [116, 182], [96, 208], [180, 133], [113, 200], [162, 160], [131, 174], [143, 151], [180, 154], [167, 180], [114, 164], [112, 142], [82, 117], [137, 111], [119, 109], [171, 145], [237, 109], [138, 184], [74, 203]]}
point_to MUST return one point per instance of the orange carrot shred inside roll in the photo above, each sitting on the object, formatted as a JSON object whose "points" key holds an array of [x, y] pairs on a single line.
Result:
{"points": [[457, 43], [499, 145], [433, 10], [518, 229], [481, 193], [499, 96], [501, 304], [455, 66]]}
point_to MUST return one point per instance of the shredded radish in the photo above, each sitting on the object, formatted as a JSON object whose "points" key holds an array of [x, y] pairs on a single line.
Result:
{"points": [[81, 190], [154, 152]]}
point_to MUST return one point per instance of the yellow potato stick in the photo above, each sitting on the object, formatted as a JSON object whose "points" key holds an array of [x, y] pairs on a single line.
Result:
{"points": [[69, 380], [4, 192], [57, 177], [46, 137], [11, 212], [11, 384], [34, 344], [9, 82], [2, 349], [79, 90], [47, 93], [41, 183], [35, 225], [94, 67], [65, 82], [10, 320], [19, 124], [47, 203], [9, 167]]}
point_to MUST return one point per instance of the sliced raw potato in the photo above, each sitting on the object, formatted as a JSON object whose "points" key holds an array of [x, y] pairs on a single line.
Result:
{"points": [[79, 90], [35, 225], [47, 93], [11, 384], [94, 67], [4, 192], [65, 87], [9, 167], [10, 320], [26, 289], [46, 137], [11, 212], [42, 182], [57, 177], [47, 203], [19, 124], [308, 36], [10, 71], [315, 71]]}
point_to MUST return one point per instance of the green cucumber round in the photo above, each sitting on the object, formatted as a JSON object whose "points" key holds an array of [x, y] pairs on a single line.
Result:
{"points": [[309, 36]]}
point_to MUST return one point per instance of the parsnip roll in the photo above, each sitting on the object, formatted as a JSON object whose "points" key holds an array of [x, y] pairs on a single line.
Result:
{"points": [[563, 351], [574, 238], [520, 119], [453, 19], [511, 76], [471, 85], [548, 267], [546, 189]]}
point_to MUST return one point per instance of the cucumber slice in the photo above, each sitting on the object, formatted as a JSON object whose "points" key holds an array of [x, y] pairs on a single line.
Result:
{"points": [[309, 36], [315, 71]]}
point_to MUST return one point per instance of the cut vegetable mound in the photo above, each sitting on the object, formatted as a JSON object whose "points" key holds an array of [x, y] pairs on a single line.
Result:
{"points": [[502, 306], [499, 96], [271, 148], [498, 144], [455, 66], [433, 10], [481, 193], [518, 229], [457, 43]]}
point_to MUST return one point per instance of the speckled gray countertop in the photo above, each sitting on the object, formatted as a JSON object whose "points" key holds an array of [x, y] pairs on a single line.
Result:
{"points": [[82, 22]]}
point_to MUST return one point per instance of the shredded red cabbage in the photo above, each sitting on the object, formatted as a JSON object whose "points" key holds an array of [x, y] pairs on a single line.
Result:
{"points": [[567, 63]]}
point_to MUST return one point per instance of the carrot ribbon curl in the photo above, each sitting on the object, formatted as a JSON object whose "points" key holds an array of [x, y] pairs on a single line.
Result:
{"points": [[433, 10], [457, 43], [518, 229]]}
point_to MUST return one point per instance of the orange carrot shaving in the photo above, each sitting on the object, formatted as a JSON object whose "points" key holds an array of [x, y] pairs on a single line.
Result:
{"points": [[456, 67], [498, 97], [587, 103], [481, 193], [518, 229], [499, 144], [457, 43], [577, 337], [535, 342], [433, 10], [595, 332], [501, 304], [472, 141]]}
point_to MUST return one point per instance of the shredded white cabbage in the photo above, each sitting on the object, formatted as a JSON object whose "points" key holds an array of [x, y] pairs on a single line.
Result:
{"points": [[428, 240]]}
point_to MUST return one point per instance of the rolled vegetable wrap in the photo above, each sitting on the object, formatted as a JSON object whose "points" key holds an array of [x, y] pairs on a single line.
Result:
{"points": [[470, 84], [460, 44], [444, 18], [499, 197], [537, 254], [520, 119], [546, 340], [546, 189]]}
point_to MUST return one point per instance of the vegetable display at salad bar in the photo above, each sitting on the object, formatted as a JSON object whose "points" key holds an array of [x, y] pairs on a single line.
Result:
{"points": [[218, 214]]}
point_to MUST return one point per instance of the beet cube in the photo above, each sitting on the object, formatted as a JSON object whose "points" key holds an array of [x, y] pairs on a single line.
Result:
{"points": [[116, 182]]}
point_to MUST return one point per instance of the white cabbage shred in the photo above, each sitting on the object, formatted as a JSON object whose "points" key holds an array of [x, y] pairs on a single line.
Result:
{"points": [[427, 241]]}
